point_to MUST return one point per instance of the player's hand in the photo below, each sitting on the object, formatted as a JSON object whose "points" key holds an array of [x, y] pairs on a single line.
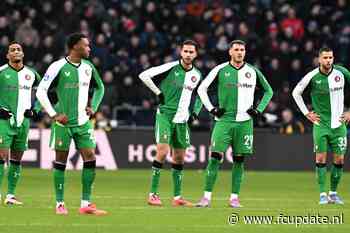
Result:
{"points": [[32, 114], [253, 112], [61, 118], [193, 120], [160, 98], [5, 114], [217, 112], [345, 117], [313, 117], [89, 111]]}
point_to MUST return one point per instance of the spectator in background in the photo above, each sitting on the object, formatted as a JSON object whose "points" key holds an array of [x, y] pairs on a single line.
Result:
{"points": [[289, 124], [296, 24]]}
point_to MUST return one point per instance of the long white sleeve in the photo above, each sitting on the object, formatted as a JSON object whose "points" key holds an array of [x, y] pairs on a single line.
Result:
{"points": [[299, 89], [147, 75], [203, 87], [44, 85]]}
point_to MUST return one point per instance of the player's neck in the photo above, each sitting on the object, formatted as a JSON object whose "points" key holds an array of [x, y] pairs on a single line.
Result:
{"points": [[16, 65], [237, 65], [324, 70], [74, 59], [185, 66]]}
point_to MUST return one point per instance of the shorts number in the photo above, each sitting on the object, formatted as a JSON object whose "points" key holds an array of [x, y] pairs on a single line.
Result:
{"points": [[342, 142], [92, 136], [248, 141]]}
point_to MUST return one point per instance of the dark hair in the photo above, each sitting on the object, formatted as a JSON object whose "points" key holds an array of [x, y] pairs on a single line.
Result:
{"points": [[190, 42], [241, 42], [73, 39], [13, 42], [324, 49]]}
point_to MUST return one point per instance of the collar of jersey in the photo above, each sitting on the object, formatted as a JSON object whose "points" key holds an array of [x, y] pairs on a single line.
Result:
{"points": [[14, 68], [76, 66], [184, 67], [319, 70], [235, 67]]}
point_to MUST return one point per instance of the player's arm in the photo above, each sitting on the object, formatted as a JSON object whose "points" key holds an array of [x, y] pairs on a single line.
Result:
{"points": [[43, 88], [99, 90], [203, 92], [345, 117], [268, 92], [37, 106], [297, 95], [147, 75]]}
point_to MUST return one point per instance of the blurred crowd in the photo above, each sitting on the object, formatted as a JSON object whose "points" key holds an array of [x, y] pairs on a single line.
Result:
{"points": [[128, 36]]}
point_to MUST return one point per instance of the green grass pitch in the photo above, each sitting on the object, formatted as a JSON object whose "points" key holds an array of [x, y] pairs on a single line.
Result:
{"points": [[123, 194]]}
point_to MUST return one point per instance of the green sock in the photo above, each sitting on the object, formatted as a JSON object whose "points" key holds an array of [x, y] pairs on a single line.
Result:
{"points": [[2, 171], [177, 172], [321, 176], [336, 173], [211, 174], [156, 167], [13, 176], [58, 178], [87, 179], [237, 176]]}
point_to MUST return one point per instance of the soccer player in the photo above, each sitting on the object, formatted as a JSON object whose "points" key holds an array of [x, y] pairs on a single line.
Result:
{"points": [[328, 117], [71, 78], [176, 82], [16, 83], [235, 83]]}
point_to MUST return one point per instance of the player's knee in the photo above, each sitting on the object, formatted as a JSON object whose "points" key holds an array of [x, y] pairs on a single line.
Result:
{"points": [[162, 150], [88, 155], [338, 160], [238, 159], [216, 155]]}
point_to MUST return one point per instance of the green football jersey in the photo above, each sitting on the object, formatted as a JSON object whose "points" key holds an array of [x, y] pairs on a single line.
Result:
{"points": [[235, 90], [327, 94], [71, 83], [177, 86], [16, 91]]}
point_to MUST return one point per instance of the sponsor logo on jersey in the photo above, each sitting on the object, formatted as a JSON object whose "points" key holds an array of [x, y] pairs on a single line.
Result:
{"points": [[71, 85], [67, 73], [337, 78], [194, 79], [24, 87], [244, 85], [27, 77], [248, 75], [84, 84], [182, 86], [336, 89]]}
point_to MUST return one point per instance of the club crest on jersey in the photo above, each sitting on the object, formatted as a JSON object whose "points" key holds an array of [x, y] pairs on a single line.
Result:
{"points": [[67, 73], [27, 77], [194, 79], [7, 76], [337, 78], [87, 72], [248, 75]]}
